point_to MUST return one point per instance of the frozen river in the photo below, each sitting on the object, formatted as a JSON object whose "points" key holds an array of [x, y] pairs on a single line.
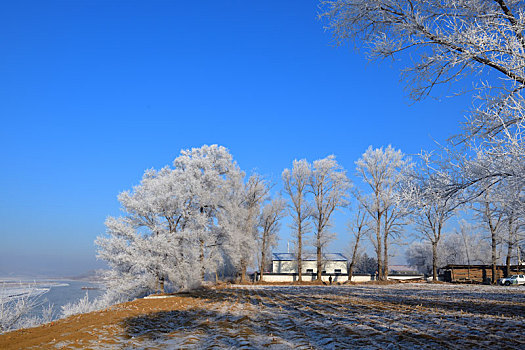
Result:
{"points": [[50, 292]]}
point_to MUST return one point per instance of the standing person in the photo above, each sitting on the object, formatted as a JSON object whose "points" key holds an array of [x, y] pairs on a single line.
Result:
{"points": [[330, 279]]}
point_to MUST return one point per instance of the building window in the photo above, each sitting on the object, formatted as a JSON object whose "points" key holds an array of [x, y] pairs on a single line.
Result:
{"points": [[337, 270], [309, 270], [324, 271]]}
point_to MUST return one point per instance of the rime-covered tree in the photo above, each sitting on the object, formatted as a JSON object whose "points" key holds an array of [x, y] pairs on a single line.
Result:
{"points": [[295, 183], [382, 171], [513, 226], [357, 227], [177, 224], [421, 256], [474, 248], [329, 187], [446, 41], [269, 225], [431, 207], [464, 246], [255, 193], [490, 214]]}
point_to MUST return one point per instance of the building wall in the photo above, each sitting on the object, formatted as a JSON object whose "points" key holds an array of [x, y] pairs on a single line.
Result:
{"points": [[405, 277], [280, 266], [307, 278]]}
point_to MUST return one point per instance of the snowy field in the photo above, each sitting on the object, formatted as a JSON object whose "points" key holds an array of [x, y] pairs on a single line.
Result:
{"points": [[401, 316]]}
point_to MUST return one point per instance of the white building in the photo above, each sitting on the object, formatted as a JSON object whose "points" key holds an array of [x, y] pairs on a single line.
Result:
{"points": [[332, 263], [284, 267]]}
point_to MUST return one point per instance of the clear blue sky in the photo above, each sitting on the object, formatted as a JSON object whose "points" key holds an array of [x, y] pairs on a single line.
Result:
{"points": [[92, 93]]}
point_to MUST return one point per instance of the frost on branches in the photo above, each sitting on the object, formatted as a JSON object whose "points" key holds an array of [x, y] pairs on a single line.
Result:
{"points": [[316, 191], [384, 171], [181, 223], [446, 42], [329, 186]]}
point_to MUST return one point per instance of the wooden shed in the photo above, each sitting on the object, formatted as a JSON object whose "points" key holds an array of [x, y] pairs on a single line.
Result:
{"points": [[476, 273]]}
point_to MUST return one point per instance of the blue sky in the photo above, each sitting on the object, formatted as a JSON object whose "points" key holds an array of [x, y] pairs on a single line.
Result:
{"points": [[94, 92]]}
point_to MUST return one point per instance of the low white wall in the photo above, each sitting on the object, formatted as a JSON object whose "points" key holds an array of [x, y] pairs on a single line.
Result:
{"points": [[278, 278], [340, 278], [407, 277], [326, 278], [365, 278]]}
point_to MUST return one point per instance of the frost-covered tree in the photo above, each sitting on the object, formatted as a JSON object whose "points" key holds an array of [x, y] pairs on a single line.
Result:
{"points": [[431, 207], [217, 197], [464, 246], [295, 183], [15, 311], [255, 193], [444, 42], [490, 214], [513, 227], [357, 227], [383, 170], [473, 246], [269, 225], [329, 187], [421, 255], [446, 39], [179, 223]]}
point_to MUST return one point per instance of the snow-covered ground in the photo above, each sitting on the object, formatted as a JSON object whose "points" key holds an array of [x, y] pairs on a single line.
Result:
{"points": [[402, 316]]}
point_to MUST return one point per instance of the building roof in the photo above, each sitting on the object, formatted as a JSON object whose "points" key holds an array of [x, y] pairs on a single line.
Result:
{"points": [[308, 257]]}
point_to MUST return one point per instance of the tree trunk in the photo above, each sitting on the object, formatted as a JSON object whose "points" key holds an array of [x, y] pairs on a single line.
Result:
{"points": [[263, 259], [379, 253], [201, 259], [354, 253], [510, 246], [434, 261], [507, 265], [300, 252], [161, 281], [494, 257], [385, 258], [350, 271], [319, 258], [379, 250], [243, 271]]}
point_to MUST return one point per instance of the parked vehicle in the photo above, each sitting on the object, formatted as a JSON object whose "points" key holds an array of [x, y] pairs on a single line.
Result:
{"points": [[514, 279]]}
